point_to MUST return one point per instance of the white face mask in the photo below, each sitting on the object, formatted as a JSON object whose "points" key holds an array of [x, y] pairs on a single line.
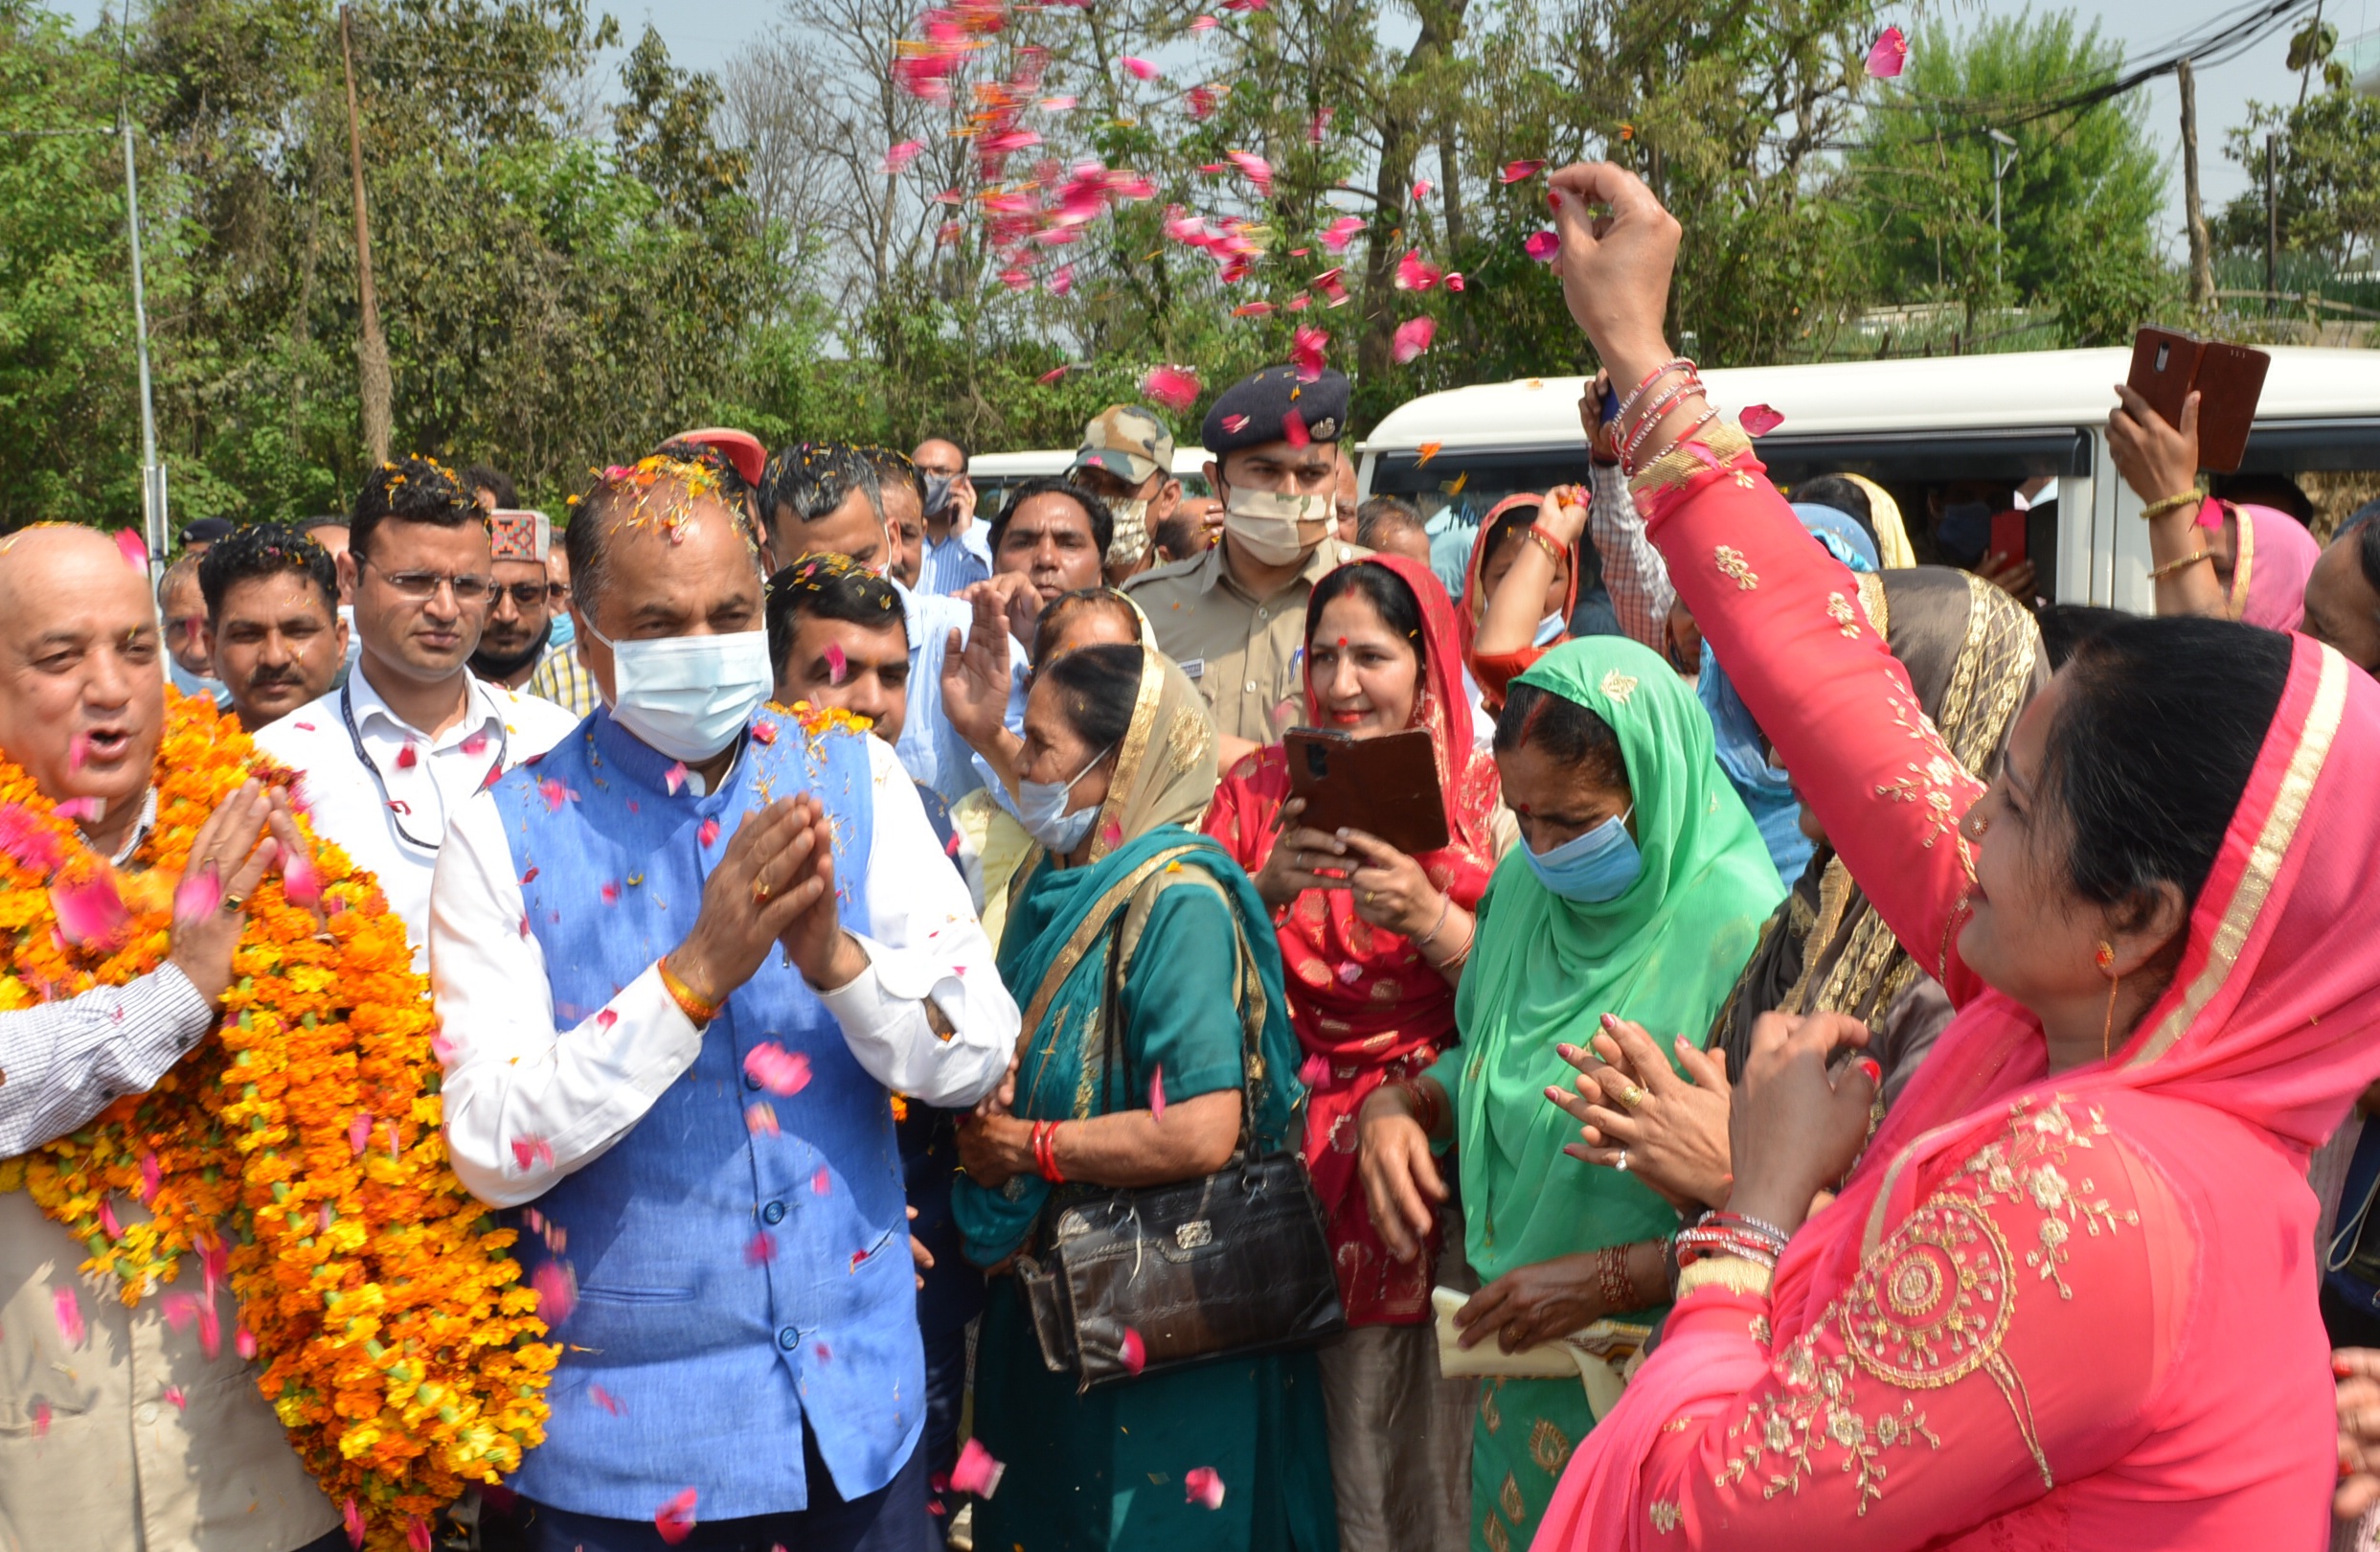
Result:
{"points": [[1266, 524], [689, 697], [1041, 808]]}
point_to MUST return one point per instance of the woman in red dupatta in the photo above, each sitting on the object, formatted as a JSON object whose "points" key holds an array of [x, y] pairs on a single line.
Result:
{"points": [[2066, 1297], [1372, 1005]]}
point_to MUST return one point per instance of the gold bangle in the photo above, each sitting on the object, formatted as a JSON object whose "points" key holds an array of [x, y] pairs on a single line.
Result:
{"points": [[2174, 503], [2161, 573], [1733, 1273], [691, 1005]]}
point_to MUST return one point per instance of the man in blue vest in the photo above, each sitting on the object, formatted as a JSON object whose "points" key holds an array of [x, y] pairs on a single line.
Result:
{"points": [[682, 963]]}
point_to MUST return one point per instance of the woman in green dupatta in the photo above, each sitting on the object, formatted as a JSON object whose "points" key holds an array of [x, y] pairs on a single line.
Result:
{"points": [[1639, 891], [1118, 758]]}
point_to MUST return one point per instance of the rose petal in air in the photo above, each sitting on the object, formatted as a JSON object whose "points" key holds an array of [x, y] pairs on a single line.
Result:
{"points": [[1203, 1487], [1520, 172], [761, 1249], [837, 665], [1173, 387], [1138, 68], [133, 548], [151, 1174], [1135, 1355], [557, 1287], [760, 1119], [675, 1519], [243, 1342], [196, 896], [1157, 1092], [976, 1471], [901, 156], [1413, 337], [1758, 419], [1341, 232], [178, 1399], [90, 912], [531, 1151], [1421, 190], [1889, 54], [606, 1400], [300, 882], [475, 746], [68, 1308], [776, 1069], [1293, 430], [359, 1131], [1542, 246], [674, 778], [707, 833], [1414, 273], [107, 1217], [1254, 168], [1313, 1069]]}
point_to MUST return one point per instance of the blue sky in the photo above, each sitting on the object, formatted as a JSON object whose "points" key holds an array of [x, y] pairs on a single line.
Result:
{"points": [[707, 35]]}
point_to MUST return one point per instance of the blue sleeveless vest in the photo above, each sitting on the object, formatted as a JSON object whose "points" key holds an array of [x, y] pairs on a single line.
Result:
{"points": [[737, 1280]]}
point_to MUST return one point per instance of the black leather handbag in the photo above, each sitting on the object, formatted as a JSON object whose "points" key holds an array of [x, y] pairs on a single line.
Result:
{"points": [[1233, 1263]]}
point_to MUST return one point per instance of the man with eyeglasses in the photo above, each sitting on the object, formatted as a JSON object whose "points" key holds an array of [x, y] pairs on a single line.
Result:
{"points": [[392, 755], [520, 615]]}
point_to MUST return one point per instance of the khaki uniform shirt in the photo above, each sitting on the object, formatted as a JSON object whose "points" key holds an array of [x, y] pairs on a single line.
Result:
{"points": [[1244, 654], [132, 1440]]}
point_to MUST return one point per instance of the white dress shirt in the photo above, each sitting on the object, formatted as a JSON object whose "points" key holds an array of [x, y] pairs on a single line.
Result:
{"points": [[526, 1102], [384, 792]]}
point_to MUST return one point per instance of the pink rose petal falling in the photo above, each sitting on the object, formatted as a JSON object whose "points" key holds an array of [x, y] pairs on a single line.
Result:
{"points": [[557, 1287], [610, 892], [1157, 1092], [359, 1131], [1340, 232], [1138, 68], [82, 810], [133, 548], [1421, 190], [707, 833], [1520, 172], [1317, 125], [674, 778], [178, 1399], [838, 665], [353, 1518], [760, 1119], [417, 1535], [761, 1249], [1413, 337], [530, 1151], [153, 1174], [107, 1219], [1414, 273], [1051, 376], [1454, 279], [299, 879], [1306, 348], [1889, 54], [1254, 168], [68, 1308], [976, 1471], [900, 156], [1202, 1487], [1313, 1069], [1293, 430], [243, 1342], [41, 1420], [1173, 387], [196, 896], [90, 912], [606, 1400], [475, 746], [1543, 246], [1134, 1354], [1202, 24], [776, 1069], [675, 1519], [554, 792], [822, 1183], [1758, 419]]}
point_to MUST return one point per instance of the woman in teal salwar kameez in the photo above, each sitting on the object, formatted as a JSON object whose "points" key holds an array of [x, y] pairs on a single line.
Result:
{"points": [[1128, 738]]}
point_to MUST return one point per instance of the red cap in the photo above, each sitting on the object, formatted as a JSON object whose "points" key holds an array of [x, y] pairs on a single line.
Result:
{"points": [[740, 449]]}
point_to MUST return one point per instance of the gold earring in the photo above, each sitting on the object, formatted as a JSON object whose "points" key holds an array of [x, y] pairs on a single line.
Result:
{"points": [[2106, 958]]}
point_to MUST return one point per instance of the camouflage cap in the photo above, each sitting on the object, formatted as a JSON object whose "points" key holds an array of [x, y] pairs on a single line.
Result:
{"points": [[1127, 441]]}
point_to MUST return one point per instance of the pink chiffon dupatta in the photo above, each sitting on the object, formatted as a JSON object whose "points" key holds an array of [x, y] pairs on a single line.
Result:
{"points": [[2270, 1020], [2270, 566]]}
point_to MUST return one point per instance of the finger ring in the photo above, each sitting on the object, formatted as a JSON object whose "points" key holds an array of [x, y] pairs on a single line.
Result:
{"points": [[1630, 1097], [1622, 1165], [233, 904], [759, 891], [1371, 899]]}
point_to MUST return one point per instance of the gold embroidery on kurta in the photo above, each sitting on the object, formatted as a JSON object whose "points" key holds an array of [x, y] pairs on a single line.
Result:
{"points": [[1490, 1414], [1493, 1533], [1548, 1447], [1736, 568], [1509, 1499], [1839, 610], [1665, 1515]]}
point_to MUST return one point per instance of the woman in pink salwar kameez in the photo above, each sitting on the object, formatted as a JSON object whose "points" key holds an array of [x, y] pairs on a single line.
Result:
{"points": [[2066, 1296]]}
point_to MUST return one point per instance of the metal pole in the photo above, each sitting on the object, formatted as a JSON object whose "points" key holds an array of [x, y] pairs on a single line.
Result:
{"points": [[373, 351], [152, 473], [2000, 165]]}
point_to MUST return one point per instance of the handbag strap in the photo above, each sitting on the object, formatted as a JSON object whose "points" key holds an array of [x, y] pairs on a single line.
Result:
{"points": [[1245, 980]]}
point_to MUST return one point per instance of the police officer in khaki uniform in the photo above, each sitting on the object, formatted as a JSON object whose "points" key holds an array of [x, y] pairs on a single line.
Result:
{"points": [[1234, 617], [1126, 459]]}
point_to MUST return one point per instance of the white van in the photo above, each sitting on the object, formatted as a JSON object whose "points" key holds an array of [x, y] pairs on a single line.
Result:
{"points": [[995, 474], [1908, 425]]}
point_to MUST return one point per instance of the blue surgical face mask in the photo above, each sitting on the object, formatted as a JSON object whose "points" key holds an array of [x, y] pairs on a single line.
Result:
{"points": [[1041, 808], [198, 684], [565, 630], [1964, 530], [689, 697], [1592, 868]]}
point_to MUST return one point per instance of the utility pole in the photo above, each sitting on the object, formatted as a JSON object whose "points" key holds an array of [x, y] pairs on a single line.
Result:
{"points": [[373, 352], [153, 472], [2004, 156], [2272, 219], [2202, 262]]}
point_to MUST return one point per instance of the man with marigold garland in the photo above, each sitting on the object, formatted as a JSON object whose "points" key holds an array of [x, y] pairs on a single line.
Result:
{"points": [[126, 1428], [683, 962]]}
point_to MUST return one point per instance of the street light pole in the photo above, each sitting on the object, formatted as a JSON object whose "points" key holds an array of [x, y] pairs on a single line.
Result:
{"points": [[2000, 165], [152, 473]]}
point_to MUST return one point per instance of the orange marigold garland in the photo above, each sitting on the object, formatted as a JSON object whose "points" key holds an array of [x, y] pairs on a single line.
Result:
{"points": [[298, 1154]]}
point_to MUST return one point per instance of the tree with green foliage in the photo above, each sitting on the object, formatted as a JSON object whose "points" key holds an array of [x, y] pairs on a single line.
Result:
{"points": [[2080, 201], [2329, 183]]}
